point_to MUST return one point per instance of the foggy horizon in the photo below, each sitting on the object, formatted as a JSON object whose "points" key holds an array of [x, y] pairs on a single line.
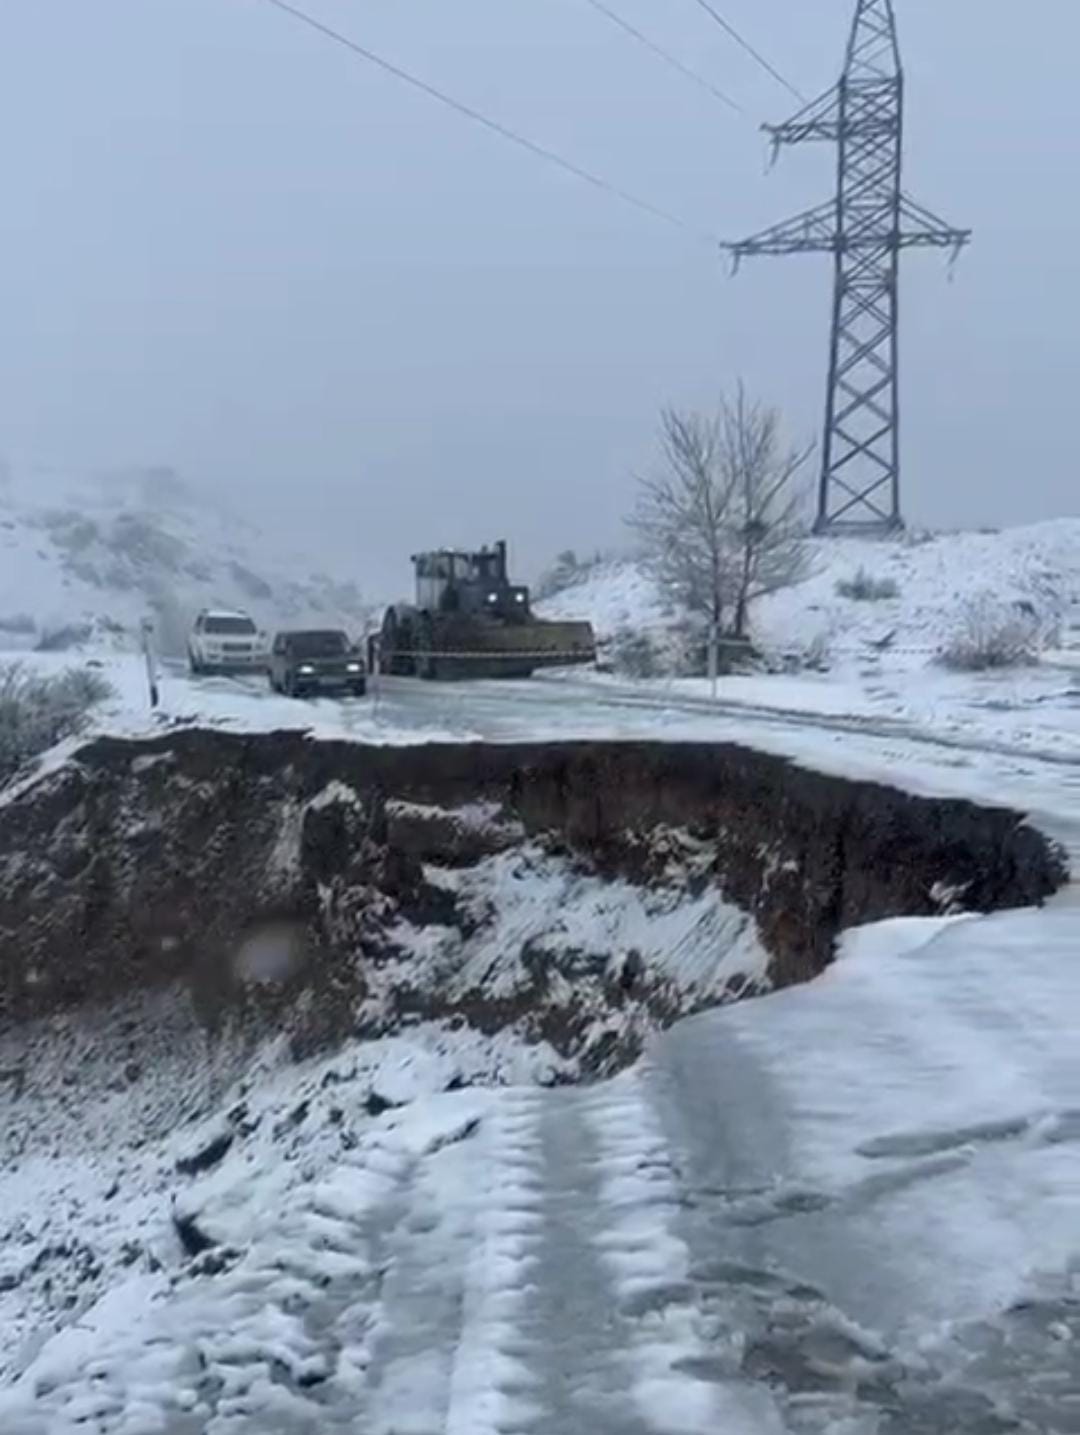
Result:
{"points": [[237, 250]]}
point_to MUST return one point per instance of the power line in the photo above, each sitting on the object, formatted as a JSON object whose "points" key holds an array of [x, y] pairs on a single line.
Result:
{"points": [[665, 55], [744, 43], [495, 126]]}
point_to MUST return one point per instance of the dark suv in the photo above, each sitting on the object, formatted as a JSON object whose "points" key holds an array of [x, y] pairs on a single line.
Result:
{"points": [[319, 660]]}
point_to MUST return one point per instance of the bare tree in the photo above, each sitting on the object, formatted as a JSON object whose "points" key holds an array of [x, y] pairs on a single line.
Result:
{"points": [[769, 509], [682, 514], [723, 523]]}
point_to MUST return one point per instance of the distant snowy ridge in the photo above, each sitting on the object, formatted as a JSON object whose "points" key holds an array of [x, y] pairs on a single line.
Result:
{"points": [[85, 559]]}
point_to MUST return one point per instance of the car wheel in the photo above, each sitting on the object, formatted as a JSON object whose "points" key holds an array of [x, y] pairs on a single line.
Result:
{"points": [[358, 689]]}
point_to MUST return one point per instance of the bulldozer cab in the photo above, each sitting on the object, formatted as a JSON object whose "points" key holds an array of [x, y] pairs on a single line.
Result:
{"points": [[451, 581]]}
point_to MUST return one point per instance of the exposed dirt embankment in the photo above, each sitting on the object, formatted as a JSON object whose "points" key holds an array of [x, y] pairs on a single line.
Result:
{"points": [[574, 892]]}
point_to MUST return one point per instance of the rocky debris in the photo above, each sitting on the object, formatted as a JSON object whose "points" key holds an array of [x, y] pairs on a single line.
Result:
{"points": [[214, 1261], [452, 837], [206, 1156], [375, 1105], [190, 1234]]}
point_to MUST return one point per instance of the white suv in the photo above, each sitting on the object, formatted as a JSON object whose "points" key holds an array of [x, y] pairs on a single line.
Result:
{"points": [[227, 642]]}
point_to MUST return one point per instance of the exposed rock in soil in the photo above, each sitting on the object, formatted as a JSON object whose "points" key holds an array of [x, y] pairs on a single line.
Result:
{"points": [[331, 889]]}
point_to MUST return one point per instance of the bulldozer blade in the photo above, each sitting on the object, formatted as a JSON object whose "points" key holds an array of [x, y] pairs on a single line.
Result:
{"points": [[461, 647]]}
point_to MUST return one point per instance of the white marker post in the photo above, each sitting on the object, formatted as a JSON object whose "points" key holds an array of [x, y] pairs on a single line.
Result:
{"points": [[714, 657], [151, 661], [375, 671]]}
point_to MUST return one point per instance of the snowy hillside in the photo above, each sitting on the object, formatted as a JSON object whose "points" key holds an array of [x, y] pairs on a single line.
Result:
{"points": [[88, 557], [622, 601], [937, 578]]}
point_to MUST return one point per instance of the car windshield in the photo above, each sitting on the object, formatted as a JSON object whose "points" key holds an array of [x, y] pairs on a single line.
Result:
{"points": [[237, 627], [318, 645]]}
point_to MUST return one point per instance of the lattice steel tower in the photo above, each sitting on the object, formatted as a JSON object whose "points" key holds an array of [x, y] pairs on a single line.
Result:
{"points": [[865, 228]]}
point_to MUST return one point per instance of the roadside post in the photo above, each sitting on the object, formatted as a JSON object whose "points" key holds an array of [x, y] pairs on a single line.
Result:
{"points": [[714, 658], [150, 656], [375, 671]]}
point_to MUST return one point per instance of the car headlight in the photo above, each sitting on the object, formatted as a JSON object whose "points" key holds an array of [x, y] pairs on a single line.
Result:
{"points": [[519, 597], [493, 597], [352, 667], [305, 668]]}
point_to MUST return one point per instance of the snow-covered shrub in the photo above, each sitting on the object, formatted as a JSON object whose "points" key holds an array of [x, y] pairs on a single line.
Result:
{"points": [[991, 635], [67, 635], [865, 588], [816, 657], [687, 649], [634, 654], [37, 711]]}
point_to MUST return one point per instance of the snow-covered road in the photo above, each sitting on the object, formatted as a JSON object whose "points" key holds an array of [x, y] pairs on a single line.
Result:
{"points": [[853, 1207], [1014, 741]]}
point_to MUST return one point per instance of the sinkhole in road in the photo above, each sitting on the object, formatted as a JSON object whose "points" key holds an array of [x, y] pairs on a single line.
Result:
{"points": [[226, 961], [573, 897]]}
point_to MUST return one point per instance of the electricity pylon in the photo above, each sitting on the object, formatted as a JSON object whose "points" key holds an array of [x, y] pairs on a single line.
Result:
{"points": [[865, 228]]}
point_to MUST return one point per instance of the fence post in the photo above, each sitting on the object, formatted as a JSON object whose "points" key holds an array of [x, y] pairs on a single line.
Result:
{"points": [[151, 661], [714, 657], [375, 669]]}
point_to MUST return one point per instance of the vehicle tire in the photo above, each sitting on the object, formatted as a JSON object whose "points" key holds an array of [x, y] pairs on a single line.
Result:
{"points": [[358, 689], [398, 642], [194, 666], [426, 666]]}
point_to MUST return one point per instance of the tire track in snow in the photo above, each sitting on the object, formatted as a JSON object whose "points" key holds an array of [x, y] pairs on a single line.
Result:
{"points": [[681, 1364], [419, 1321], [492, 1388], [571, 1320], [448, 1356]]}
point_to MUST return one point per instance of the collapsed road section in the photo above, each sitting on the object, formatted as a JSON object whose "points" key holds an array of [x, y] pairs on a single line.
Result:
{"points": [[579, 894], [274, 1155]]}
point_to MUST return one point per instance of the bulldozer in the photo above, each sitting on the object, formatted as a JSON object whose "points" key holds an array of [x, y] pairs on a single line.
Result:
{"points": [[470, 621]]}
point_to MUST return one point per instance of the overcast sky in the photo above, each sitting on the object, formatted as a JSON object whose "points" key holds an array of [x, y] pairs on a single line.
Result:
{"points": [[230, 246]]}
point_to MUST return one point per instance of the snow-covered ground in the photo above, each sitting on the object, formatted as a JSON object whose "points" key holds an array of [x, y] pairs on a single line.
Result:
{"points": [[852, 1207], [937, 579]]}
